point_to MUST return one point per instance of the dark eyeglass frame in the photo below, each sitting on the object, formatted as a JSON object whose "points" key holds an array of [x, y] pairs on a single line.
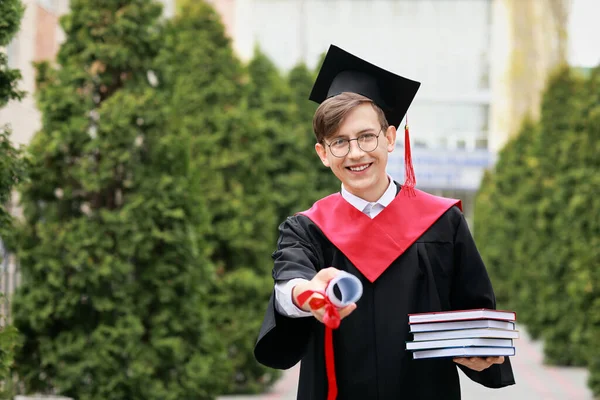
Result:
{"points": [[357, 142]]}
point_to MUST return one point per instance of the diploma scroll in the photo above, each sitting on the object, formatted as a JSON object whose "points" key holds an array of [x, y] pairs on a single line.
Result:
{"points": [[349, 287]]}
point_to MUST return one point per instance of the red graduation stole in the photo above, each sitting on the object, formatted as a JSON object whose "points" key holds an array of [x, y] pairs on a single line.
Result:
{"points": [[371, 245]]}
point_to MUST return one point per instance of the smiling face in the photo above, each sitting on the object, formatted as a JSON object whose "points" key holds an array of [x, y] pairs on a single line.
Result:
{"points": [[362, 173]]}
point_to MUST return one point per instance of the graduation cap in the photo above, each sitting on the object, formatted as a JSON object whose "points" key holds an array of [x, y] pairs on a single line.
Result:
{"points": [[345, 72]]}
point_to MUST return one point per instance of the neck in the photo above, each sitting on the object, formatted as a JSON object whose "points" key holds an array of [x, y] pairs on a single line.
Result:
{"points": [[374, 193]]}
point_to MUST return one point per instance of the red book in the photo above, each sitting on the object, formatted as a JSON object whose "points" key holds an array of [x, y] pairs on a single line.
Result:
{"points": [[462, 315]]}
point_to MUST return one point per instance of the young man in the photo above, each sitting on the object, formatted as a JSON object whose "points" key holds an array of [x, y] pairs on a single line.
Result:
{"points": [[412, 251]]}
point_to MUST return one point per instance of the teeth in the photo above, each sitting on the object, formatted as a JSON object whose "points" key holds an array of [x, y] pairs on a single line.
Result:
{"points": [[358, 169]]}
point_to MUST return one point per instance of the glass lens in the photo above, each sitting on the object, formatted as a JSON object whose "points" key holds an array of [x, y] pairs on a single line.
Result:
{"points": [[340, 147], [368, 142]]}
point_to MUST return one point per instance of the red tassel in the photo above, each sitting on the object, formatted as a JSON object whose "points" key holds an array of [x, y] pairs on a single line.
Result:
{"points": [[409, 173]]}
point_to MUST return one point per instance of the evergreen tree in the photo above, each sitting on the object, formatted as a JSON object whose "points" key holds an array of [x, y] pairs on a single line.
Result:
{"points": [[270, 96], [11, 13], [206, 92], [548, 307], [585, 287], [549, 265], [515, 213], [115, 267], [204, 83], [11, 169], [578, 231], [324, 182], [502, 206]]}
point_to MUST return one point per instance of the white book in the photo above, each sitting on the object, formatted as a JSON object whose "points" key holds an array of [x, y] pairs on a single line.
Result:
{"points": [[476, 323], [459, 315], [466, 334], [465, 352], [437, 344]]}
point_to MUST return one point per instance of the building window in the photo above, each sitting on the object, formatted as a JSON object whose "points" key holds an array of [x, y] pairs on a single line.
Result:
{"points": [[420, 144], [12, 52], [49, 5], [485, 118], [481, 144]]}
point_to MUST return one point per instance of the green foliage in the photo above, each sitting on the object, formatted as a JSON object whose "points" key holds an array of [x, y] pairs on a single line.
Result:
{"points": [[9, 343], [252, 148], [238, 304], [11, 12], [584, 286], [270, 95], [510, 193], [13, 168], [158, 180], [115, 265], [232, 158], [12, 172], [537, 223]]}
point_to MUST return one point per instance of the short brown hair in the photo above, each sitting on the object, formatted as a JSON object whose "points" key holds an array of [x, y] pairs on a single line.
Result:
{"points": [[331, 113]]}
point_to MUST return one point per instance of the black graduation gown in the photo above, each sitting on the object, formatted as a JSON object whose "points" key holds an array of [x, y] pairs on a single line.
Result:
{"points": [[441, 271]]}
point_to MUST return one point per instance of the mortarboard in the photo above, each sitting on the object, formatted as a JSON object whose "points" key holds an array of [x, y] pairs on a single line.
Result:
{"points": [[345, 72]]}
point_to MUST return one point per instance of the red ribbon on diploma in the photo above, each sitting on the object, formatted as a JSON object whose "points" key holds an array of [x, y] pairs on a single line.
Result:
{"points": [[332, 320]]}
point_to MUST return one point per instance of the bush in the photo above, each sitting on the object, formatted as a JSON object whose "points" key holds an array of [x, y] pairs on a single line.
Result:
{"points": [[12, 171], [115, 265], [538, 226]]}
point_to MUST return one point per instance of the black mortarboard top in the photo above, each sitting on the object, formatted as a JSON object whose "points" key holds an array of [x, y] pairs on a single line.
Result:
{"points": [[344, 72]]}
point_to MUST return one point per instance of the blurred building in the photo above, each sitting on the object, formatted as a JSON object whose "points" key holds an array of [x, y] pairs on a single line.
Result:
{"points": [[482, 64]]}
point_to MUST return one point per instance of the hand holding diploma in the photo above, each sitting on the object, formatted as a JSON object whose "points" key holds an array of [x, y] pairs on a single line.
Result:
{"points": [[324, 281]]}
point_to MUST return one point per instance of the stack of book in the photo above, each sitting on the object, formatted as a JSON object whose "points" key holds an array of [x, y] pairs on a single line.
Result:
{"points": [[463, 333]]}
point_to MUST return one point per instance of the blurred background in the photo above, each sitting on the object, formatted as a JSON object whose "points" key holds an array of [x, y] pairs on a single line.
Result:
{"points": [[149, 150]]}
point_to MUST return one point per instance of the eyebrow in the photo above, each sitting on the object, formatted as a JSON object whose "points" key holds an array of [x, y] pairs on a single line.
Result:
{"points": [[367, 130]]}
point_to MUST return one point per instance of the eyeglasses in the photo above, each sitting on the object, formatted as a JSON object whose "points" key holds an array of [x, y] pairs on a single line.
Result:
{"points": [[340, 147]]}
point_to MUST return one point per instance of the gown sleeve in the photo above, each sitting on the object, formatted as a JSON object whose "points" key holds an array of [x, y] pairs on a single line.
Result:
{"points": [[472, 288], [282, 340]]}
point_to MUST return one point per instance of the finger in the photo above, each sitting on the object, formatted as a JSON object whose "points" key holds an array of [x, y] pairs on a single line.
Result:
{"points": [[495, 360], [477, 366], [483, 363], [344, 312], [463, 361], [327, 274], [470, 362]]}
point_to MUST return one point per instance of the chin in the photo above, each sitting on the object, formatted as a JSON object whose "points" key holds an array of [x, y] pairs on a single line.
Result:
{"points": [[360, 185]]}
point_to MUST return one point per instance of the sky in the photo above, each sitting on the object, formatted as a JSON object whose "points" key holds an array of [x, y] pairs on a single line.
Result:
{"points": [[584, 33]]}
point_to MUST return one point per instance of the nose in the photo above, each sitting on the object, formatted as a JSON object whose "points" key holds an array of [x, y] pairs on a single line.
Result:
{"points": [[355, 150]]}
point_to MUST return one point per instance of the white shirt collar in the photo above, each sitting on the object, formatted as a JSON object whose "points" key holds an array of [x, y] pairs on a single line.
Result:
{"points": [[360, 204]]}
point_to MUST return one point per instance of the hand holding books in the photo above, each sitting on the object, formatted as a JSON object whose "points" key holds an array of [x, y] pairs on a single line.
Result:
{"points": [[479, 363], [486, 335]]}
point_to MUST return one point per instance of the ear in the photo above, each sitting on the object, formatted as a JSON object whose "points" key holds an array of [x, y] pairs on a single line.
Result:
{"points": [[390, 136], [322, 152]]}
